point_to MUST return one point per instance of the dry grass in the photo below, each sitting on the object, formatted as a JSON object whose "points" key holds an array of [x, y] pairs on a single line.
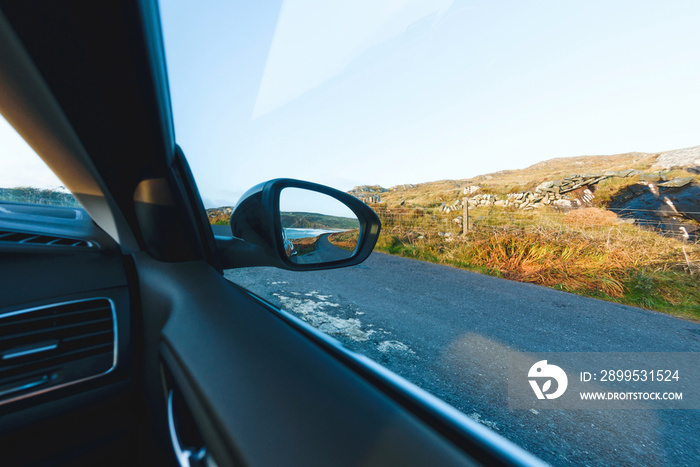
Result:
{"points": [[346, 240], [305, 245], [590, 217], [570, 260]]}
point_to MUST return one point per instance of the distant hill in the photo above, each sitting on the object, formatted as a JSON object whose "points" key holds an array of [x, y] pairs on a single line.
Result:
{"points": [[38, 196], [312, 220], [301, 220]]}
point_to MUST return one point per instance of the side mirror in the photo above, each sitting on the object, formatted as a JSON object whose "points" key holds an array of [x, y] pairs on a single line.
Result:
{"points": [[297, 225]]}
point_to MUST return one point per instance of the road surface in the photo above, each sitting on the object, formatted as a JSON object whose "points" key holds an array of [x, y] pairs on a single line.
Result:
{"points": [[325, 252], [449, 331]]}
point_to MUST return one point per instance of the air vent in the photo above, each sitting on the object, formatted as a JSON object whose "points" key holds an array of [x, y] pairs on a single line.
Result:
{"points": [[37, 239], [53, 346]]}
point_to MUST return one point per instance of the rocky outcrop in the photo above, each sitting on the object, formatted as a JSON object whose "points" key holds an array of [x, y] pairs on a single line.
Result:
{"points": [[365, 189], [687, 157], [368, 194], [374, 199], [672, 207]]}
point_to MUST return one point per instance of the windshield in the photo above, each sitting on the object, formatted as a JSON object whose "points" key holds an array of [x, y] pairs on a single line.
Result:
{"points": [[536, 169]]}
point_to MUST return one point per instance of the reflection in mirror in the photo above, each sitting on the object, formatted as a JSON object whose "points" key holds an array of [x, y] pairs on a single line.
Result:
{"points": [[316, 228]]}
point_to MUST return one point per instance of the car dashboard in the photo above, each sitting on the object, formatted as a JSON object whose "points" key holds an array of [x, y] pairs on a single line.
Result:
{"points": [[66, 330]]}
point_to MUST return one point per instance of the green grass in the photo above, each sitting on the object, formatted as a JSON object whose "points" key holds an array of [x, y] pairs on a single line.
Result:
{"points": [[670, 292]]}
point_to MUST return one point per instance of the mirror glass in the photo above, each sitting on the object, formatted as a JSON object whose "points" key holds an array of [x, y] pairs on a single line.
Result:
{"points": [[316, 228]]}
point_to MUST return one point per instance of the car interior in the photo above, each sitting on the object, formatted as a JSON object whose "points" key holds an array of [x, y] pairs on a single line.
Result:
{"points": [[121, 343]]}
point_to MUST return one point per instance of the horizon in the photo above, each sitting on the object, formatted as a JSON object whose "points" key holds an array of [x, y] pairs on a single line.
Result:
{"points": [[35, 164]]}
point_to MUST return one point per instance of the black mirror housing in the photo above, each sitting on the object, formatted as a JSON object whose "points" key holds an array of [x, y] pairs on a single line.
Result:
{"points": [[259, 237]]}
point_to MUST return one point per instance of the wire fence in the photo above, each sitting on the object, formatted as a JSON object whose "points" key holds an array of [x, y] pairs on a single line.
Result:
{"points": [[433, 222], [499, 237]]}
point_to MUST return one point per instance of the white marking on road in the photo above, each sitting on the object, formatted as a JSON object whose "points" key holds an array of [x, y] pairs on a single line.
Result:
{"points": [[394, 346], [312, 312], [318, 295]]}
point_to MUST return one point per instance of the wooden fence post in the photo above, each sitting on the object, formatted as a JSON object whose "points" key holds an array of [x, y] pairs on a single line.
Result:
{"points": [[465, 216]]}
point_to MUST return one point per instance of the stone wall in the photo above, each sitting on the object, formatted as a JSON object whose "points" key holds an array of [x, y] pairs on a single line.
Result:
{"points": [[569, 192]]}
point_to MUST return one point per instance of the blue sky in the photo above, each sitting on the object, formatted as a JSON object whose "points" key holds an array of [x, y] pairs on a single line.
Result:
{"points": [[407, 91]]}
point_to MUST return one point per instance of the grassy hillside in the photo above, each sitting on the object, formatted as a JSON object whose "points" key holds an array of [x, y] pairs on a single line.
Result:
{"points": [[312, 220], [433, 194]]}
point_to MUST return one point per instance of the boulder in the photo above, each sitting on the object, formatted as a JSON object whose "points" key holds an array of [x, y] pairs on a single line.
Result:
{"points": [[562, 203], [544, 186], [625, 173], [677, 182]]}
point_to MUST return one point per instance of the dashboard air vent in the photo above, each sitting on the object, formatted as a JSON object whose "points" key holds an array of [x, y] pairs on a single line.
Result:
{"points": [[38, 239], [53, 346]]}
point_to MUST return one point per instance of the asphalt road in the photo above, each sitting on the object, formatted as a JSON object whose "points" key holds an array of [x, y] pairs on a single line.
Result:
{"points": [[325, 252], [450, 331]]}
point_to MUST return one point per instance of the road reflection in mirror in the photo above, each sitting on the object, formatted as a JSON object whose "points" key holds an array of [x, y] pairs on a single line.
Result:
{"points": [[316, 228]]}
